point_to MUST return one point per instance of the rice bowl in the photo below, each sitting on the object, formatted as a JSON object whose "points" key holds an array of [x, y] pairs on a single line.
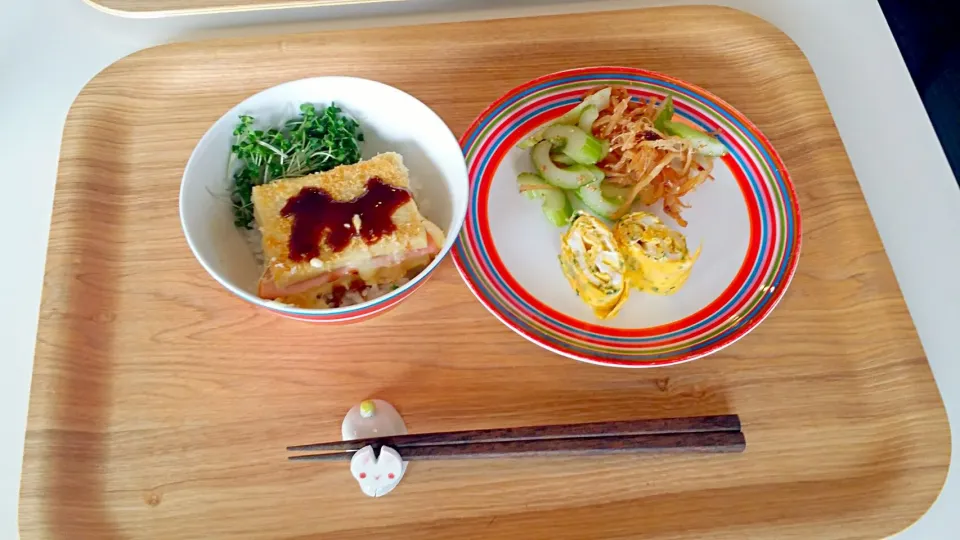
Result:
{"points": [[392, 121]]}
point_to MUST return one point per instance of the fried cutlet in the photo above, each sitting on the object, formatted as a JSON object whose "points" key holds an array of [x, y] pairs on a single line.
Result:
{"points": [[288, 273]]}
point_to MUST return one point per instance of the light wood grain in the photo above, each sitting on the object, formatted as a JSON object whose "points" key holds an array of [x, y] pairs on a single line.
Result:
{"points": [[166, 8], [161, 405]]}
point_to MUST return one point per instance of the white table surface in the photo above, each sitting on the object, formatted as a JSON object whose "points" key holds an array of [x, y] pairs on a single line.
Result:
{"points": [[50, 48]]}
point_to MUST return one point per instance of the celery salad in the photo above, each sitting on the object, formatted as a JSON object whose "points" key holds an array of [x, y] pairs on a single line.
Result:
{"points": [[613, 151]]}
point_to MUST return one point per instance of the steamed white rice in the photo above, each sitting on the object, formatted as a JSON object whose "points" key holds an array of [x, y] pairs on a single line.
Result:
{"points": [[255, 242], [352, 298]]}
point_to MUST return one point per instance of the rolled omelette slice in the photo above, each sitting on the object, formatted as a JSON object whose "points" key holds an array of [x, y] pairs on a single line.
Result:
{"points": [[594, 266], [657, 257]]}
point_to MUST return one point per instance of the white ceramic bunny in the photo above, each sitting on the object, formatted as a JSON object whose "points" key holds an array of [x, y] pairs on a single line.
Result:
{"points": [[377, 475]]}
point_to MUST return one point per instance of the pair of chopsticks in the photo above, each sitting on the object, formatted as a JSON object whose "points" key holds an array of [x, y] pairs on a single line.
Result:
{"points": [[710, 434]]}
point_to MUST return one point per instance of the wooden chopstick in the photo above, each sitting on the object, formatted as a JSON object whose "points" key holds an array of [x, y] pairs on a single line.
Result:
{"points": [[661, 426], [709, 442]]}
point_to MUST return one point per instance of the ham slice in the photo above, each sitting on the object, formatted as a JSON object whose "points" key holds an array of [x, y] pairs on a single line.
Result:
{"points": [[268, 289]]}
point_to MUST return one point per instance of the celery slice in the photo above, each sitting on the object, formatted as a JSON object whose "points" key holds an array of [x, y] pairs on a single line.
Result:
{"points": [[571, 178], [575, 143], [599, 99], [702, 143], [592, 196], [588, 117], [556, 207]]}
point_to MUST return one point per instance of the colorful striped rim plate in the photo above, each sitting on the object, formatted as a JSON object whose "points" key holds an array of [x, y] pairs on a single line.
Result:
{"points": [[746, 220]]}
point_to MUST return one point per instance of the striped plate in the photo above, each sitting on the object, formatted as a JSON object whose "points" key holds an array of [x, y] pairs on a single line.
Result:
{"points": [[746, 220]]}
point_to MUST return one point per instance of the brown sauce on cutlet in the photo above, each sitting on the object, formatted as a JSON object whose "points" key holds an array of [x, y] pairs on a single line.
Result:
{"points": [[318, 216]]}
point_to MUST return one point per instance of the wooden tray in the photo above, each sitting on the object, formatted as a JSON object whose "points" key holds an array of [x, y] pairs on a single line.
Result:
{"points": [[161, 404], [166, 8]]}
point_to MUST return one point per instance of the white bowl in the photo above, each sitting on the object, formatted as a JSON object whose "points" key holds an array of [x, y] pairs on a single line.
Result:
{"points": [[391, 120]]}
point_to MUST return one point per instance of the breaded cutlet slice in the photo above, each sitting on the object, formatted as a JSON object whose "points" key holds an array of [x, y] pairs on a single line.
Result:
{"points": [[344, 183]]}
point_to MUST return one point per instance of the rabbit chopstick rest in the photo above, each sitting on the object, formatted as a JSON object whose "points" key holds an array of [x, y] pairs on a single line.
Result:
{"points": [[377, 473]]}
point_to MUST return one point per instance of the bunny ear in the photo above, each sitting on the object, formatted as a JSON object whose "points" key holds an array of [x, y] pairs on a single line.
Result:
{"points": [[389, 458], [361, 460]]}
